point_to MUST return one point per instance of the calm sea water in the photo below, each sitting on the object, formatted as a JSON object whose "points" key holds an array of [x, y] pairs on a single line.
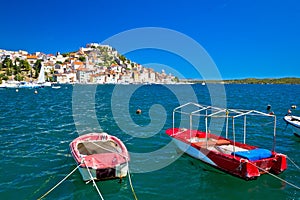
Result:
{"points": [[36, 129]]}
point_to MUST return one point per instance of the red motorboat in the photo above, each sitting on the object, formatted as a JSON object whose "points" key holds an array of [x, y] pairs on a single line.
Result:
{"points": [[100, 156], [236, 158]]}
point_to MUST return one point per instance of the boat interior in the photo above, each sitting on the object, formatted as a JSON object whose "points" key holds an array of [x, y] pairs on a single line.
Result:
{"points": [[219, 145], [225, 146], [98, 147]]}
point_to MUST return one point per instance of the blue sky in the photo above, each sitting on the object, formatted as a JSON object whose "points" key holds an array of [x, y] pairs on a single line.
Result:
{"points": [[245, 38]]}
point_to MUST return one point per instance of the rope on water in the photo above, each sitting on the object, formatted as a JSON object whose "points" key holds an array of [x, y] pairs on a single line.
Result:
{"points": [[293, 163], [291, 184], [126, 158], [131, 186], [59, 182], [94, 183]]}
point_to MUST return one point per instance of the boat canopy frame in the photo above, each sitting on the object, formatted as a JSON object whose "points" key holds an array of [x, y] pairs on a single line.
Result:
{"points": [[227, 113]]}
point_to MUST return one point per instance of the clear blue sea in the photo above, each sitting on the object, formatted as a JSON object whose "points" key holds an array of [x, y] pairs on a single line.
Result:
{"points": [[36, 129]]}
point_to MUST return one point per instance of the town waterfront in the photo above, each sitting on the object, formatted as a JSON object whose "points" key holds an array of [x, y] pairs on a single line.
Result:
{"points": [[36, 130]]}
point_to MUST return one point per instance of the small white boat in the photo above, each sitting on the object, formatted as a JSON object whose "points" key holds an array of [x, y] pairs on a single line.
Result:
{"points": [[2, 85], [56, 86], [100, 156], [24, 84], [294, 121], [41, 79], [10, 84]]}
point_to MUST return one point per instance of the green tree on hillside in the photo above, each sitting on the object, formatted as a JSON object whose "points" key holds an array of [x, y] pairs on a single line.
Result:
{"points": [[19, 77], [123, 58], [82, 58], [16, 69], [9, 71], [37, 67], [7, 63], [25, 65]]}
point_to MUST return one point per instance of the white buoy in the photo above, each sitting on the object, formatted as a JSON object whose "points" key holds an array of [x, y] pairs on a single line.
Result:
{"points": [[35, 91], [17, 90]]}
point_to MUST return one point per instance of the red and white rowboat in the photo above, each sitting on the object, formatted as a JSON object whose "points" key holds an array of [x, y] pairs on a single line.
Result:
{"points": [[236, 158], [100, 156]]}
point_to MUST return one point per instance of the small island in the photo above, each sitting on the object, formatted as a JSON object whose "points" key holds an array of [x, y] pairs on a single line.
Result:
{"points": [[287, 80]]}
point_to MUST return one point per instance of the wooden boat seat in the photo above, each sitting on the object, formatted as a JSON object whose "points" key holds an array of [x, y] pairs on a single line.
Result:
{"points": [[228, 148], [212, 142]]}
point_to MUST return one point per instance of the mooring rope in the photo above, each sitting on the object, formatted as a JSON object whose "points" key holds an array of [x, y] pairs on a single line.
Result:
{"points": [[60, 182], [129, 175], [94, 183], [291, 184], [131, 186], [293, 163]]}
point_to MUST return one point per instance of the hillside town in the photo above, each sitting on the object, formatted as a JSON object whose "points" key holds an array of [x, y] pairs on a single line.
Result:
{"points": [[93, 64]]}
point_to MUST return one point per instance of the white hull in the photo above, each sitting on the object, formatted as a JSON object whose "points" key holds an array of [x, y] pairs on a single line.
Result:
{"points": [[294, 121], [120, 172], [28, 85], [46, 84], [56, 87], [193, 152], [11, 86]]}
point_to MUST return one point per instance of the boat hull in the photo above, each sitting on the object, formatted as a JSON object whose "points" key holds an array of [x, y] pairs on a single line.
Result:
{"points": [[24, 84], [118, 171], [192, 151], [294, 121], [296, 131]]}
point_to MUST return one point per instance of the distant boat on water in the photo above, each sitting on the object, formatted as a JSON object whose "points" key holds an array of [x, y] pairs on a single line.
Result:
{"points": [[294, 121], [24, 84], [9, 84], [41, 79], [56, 86]]}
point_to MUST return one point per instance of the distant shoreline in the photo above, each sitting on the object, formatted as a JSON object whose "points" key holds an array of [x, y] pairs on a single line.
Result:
{"points": [[287, 80]]}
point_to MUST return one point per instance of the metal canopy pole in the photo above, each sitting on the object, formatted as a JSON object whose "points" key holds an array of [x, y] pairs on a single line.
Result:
{"points": [[245, 118], [206, 130], [233, 133], [191, 118], [227, 124], [274, 136], [173, 121]]}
